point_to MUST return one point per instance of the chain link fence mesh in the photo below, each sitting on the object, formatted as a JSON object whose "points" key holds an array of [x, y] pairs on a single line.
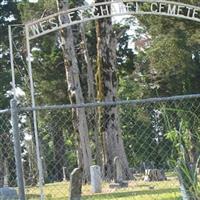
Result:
{"points": [[7, 159], [152, 131]]}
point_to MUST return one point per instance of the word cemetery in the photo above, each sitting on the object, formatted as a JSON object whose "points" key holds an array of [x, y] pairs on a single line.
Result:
{"points": [[112, 8]]}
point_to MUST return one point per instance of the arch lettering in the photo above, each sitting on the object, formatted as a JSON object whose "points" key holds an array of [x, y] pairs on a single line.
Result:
{"points": [[112, 8]]}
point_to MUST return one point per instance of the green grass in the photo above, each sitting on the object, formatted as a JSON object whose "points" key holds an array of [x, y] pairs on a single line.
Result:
{"points": [[137, 190]]}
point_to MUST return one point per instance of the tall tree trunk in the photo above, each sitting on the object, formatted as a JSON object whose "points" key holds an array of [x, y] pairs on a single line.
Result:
{"points": [[32, 163], [107, 91], [92, 114], [75, 91]]}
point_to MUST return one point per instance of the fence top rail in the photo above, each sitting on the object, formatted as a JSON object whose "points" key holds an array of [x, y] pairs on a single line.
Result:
{"points": [[123, 102]]}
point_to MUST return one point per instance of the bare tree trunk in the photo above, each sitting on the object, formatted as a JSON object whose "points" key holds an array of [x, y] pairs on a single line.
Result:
{"points": [[92, 114], [75, 91], [32, 163], [107, 91], [90, 72]]}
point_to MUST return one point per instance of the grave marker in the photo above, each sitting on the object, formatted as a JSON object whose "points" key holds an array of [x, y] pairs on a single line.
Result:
{"points": [[75, 184], [96, 181]]}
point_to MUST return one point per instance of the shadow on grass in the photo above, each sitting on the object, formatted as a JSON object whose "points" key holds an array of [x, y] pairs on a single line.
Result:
{"points": [[47, 197], [116, 195], [32, 196]]}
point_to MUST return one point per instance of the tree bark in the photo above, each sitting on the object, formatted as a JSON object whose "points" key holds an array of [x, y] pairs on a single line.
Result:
{"points": [[32, 163], [75, 91], [107, 91], [92, 114]]}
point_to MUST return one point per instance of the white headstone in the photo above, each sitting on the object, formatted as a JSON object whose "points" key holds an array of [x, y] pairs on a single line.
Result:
{"points": [[7, 193], [96, 181], [64, 174]]}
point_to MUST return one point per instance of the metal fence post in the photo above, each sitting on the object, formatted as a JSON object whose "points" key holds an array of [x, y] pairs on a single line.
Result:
{"points": [[17, 149]]}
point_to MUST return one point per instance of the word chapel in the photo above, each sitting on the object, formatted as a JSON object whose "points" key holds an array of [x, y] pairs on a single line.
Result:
{"points": [[107, 9]]}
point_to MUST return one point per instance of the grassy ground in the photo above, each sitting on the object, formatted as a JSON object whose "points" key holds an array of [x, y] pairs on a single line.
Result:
{"points": [[137, 190]]}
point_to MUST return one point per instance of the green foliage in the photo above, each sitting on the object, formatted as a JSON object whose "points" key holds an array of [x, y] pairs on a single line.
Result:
{"points": [[31, 11], [171, 64], [182, 156], [179, 137], [9, 15], [188, 177], [49, 72], [131, 87], [143, 132]]}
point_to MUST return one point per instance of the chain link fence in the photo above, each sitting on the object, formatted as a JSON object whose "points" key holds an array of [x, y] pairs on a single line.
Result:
{"points": [[8, 163], [160, 137]]}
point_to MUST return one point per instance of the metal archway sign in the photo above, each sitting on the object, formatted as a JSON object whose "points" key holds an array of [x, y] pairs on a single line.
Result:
{"points": [[94, 11]]}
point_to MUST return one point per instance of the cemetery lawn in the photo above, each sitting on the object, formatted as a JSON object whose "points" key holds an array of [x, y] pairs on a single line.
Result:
{"points": [[137, 190]]}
